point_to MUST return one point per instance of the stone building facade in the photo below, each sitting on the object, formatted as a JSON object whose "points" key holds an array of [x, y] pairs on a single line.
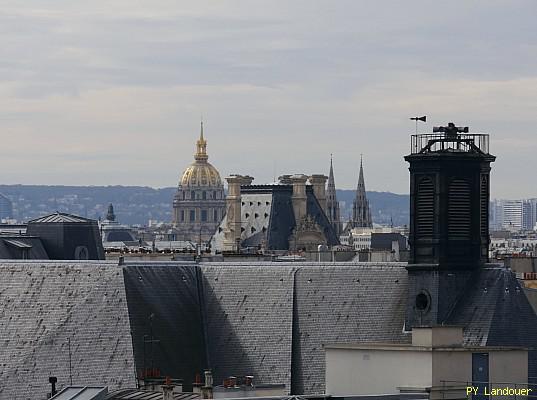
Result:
{"points": [[199, 204]]}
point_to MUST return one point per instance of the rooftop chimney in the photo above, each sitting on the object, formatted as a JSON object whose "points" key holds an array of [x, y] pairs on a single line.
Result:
{"points": [[52, 380], [285, 180], [207, 389], [319, 189], [167, 390], [232, 233], [299, 196]]}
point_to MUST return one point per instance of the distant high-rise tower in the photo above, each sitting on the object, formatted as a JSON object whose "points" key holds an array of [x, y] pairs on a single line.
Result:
{"points": [[332, 205], [6, 207], [361, 214]]}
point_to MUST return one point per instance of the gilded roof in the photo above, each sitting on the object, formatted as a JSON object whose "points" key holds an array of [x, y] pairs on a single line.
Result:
{"points": [[201, 172]]}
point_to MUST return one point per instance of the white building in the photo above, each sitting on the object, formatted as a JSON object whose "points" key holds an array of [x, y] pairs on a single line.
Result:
{"points": [[513, 215], [436, 365]]}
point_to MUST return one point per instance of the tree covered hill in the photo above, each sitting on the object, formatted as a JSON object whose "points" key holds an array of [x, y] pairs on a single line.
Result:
{"points": [[139, 204]]}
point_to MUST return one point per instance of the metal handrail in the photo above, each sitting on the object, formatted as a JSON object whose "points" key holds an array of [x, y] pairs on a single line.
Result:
{"points": [[441, 142]]}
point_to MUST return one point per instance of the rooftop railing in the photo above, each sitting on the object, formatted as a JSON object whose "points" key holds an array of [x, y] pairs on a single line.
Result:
{"points": [[446, 142]]}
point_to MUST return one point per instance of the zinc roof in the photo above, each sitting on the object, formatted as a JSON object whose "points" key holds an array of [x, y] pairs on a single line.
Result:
{"points": [[59, 217]]}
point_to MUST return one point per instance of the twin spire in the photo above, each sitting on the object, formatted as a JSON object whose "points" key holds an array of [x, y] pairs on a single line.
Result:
{"points": [[361, 213]]}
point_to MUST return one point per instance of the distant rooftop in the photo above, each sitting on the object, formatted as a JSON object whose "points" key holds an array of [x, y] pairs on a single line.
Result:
{"points": [[135, 394], [82, 393], [59, 217]]}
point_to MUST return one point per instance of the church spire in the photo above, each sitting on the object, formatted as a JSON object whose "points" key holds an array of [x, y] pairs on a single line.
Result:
{"points": [[361, 214], [201, 153], [332, 205], [361, 182]]}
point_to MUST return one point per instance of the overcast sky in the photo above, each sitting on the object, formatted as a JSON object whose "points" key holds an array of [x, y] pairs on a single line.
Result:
{"points": [[111, 92]]}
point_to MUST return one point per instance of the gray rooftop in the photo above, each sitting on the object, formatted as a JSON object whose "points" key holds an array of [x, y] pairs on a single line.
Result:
{"points": [[82, 393], [42, 306], [59, 217], [135, 394], [269, 320]]}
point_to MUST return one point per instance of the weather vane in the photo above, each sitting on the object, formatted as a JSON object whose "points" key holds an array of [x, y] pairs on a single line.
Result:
{"points": [[423, 119]]}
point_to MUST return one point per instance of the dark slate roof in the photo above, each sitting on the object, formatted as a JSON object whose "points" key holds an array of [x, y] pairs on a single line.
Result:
{"points": [[164, 304], [59, 217], [249, 317], [314, 208], [42, 304], [344, 304], [383, 240], [282, 218], [269, 320], [13, 247], [496, 312]]}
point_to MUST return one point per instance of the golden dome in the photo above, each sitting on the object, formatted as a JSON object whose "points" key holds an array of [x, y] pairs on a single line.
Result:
{"points": [[201, 172]]}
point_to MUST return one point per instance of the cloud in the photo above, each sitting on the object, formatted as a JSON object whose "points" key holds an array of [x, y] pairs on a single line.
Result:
{"points": [[112, 92]]}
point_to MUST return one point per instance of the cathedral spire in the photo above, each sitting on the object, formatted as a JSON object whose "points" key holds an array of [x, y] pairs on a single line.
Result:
{"points": [[332, 205], [361, 214], [201, 153], [361, 182], [331, 181]]}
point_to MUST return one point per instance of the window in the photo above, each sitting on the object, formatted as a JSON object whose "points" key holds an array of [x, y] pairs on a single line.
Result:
{"points": [[425, 208], [182, 215], [192, 195], [215, 216], [459, 210], [204, 195], [214, 194], [192, 215], [204, 215]]}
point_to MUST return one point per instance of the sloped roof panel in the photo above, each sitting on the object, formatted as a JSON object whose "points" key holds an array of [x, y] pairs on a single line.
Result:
{"points": [[44, 307], [59, 217]]}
